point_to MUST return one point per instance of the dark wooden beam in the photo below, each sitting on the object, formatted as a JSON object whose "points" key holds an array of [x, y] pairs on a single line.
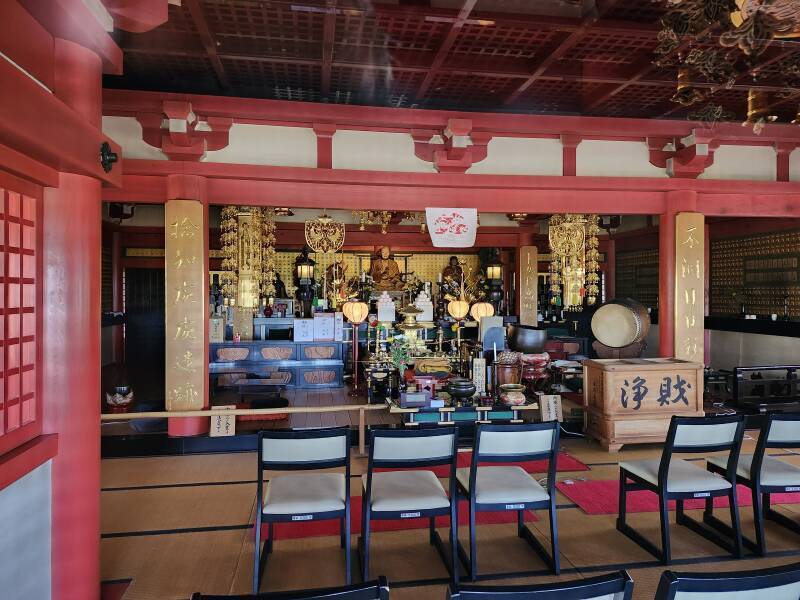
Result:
{"points": [[209, 41], [561, 47], [328, 37], [444, 49]]}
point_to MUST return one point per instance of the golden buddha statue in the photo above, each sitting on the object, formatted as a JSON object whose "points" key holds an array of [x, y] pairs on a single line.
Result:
{"points": [[384, 271]]}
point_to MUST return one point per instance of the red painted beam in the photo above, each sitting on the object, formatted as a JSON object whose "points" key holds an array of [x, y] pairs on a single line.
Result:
{"points": [[208, 40], [26, 42], [444, 49], [138, 15], [35, 123], [328, 39], [305, 114]]}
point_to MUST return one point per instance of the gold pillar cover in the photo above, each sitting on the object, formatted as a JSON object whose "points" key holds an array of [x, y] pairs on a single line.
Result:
{"points": [[689, 286], [186, 302], [528, 285]]}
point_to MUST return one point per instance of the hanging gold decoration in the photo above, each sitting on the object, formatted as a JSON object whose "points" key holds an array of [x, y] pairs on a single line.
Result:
{"points": [[758, 111], [229, 238], [268, 265], [324, 235], [576, 260]]}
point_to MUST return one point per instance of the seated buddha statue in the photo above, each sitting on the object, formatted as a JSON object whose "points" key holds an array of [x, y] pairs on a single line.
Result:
{"points": [[384, 271]]}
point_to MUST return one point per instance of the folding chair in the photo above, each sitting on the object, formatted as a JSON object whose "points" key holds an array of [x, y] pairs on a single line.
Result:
{"points": [[410, 494], [675, 479], [496, 488], [306, 496], [614, 586], [765, 475]]}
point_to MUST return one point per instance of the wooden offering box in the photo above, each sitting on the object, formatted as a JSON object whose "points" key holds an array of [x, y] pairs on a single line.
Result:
{"points": [[631, 401]]}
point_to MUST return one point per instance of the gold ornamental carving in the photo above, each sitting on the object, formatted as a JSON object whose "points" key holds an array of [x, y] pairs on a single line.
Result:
{"points": [[186, 306], [324, 235], [689, 286]]}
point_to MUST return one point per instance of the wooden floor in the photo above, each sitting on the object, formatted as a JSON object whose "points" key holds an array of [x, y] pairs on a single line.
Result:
{"points": [[175, 525]]}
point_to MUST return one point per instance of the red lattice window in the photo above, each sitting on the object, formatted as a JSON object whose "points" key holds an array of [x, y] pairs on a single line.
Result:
{"points": [[20, 408]]}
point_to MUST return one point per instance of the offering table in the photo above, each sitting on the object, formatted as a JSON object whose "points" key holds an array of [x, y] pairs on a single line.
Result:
{"points": [[631, 401]]}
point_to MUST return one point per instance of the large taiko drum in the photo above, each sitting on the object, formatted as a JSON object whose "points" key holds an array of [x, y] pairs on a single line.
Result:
{"points": [[621, 322]]}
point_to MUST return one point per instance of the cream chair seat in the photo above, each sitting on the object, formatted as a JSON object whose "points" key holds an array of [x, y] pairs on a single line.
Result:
{"points": [[305, 493], [406, 490], [683, 476], [773, 471], [503, 485]]}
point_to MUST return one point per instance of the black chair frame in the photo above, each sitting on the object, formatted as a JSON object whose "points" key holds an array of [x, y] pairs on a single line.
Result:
{"points": [[732, 541], [371, 590], [552, 559], [671, 583], [260, 558], [591, 587], [762, 509], [367, 514]]}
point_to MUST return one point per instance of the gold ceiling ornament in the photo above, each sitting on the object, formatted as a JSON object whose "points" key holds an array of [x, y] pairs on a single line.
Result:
{"points": [[517, 217], [575, 260], [687, 94], [710, 114], [324, 235], [384, 218], [282, 211], [726, 40], [268, 266], [759, 112]]}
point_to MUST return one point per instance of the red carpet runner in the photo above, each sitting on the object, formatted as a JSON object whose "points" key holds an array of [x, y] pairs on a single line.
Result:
{"points": [[602, 498], [304, 529]]}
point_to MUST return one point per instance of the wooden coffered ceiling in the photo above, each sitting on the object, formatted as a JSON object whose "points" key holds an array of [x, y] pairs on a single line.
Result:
{"points": [[530, 56]]}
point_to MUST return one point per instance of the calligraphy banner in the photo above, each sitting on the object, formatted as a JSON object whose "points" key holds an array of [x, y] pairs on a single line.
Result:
{"points": [[528, 285], [690, 303], [452, 227], [185, 298]]}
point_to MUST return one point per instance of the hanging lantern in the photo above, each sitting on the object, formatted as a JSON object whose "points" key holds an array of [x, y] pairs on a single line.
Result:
{"points": [[355, 312], [480, 310], [759, 112], [687, 94]]}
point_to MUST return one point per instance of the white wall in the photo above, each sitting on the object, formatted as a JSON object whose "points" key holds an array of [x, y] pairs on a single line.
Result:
{"points": [[25, 513], [731, 349], [601, 158], [127, 132], [377, 151], [521, 156], [268, 145], [753, 163]]}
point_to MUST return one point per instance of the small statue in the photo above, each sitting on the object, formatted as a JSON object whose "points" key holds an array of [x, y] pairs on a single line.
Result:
{"points": [[280, 287], [384, 271], [453, 270], [335, 273]]}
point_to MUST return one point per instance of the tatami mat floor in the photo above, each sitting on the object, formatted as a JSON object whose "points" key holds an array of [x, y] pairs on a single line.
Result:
{"points": [[175, 525]]}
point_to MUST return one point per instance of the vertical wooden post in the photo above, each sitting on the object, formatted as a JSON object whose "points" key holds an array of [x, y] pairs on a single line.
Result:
{"points": [[690, 242]]}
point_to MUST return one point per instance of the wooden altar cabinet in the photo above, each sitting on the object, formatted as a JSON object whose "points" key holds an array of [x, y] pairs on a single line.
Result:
{"points": [[631, 401]]}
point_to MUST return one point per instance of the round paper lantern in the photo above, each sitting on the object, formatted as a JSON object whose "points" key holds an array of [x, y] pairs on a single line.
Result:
{"points": [[481, 309], [355, 312], [458, 309]]}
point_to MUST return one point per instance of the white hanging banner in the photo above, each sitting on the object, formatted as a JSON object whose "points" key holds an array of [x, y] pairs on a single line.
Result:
{"points": [[452, 227]]}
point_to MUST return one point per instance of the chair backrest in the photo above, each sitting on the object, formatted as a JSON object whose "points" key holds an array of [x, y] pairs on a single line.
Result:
{"points": [[408, 448], [614, 586], [370, 590], [701, 435], [283, 450], [779, 430], [777, 583]]}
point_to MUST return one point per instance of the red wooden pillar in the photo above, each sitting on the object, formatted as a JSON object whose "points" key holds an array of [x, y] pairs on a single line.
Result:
{"points": [[71, 343], [676, 201]]}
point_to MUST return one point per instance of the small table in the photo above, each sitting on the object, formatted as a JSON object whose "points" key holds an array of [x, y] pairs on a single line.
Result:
{"points": [[449, 415]]}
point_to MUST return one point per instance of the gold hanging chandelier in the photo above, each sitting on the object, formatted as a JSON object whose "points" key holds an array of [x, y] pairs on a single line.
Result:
{"points": [[575, 261], [324, 235], [385, 217]]}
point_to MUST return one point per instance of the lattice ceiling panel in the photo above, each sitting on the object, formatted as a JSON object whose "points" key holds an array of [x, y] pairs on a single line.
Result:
{"points": [[380, 53]]}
